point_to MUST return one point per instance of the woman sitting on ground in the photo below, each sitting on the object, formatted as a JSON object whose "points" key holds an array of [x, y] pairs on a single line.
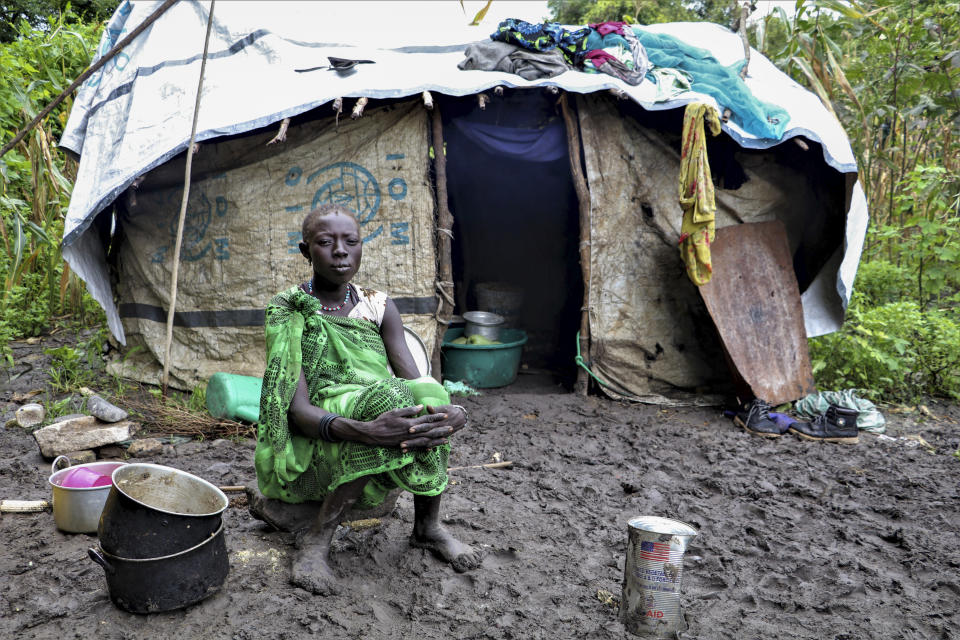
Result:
{"points": [[335, 425]]}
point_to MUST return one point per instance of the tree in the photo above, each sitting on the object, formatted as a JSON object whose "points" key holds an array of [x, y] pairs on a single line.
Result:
{"points": [[37, 12], [643, 11]]}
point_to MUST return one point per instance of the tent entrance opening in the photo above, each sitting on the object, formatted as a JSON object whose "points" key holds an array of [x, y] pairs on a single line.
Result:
{"points": [[516, 228]]}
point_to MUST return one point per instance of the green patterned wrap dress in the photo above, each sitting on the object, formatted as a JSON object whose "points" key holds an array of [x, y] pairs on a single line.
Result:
{"points": [[346, 368]]}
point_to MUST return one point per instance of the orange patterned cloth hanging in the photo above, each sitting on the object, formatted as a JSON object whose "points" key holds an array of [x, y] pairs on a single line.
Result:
{"points": [[697, 198]]}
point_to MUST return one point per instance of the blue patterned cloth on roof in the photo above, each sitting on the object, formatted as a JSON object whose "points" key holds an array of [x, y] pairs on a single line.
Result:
{"points": [[724, 84], [543, 37]]}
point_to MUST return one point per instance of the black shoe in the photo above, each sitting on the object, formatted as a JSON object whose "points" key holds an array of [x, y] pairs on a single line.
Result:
{"points": [[838, 424], [754, 417]]}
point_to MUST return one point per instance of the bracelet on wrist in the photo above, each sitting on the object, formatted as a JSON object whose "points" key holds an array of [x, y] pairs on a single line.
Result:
{"points": [[323, 427]]}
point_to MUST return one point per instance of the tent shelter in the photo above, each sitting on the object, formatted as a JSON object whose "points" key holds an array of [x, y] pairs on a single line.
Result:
{"points": [[508, 177]]}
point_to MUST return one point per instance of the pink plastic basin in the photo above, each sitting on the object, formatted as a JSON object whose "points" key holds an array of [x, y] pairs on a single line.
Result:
{"points": [[83, 478]]}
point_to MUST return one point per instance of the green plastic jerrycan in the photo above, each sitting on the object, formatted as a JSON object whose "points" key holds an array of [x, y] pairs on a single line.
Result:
{"points": [[234, 396]]}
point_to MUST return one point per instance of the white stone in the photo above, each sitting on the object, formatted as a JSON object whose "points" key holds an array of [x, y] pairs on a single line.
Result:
{"points": [[81, 433], [30, 415]]}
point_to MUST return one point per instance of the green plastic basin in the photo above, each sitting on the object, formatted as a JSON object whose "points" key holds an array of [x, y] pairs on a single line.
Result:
{"points": [[483, 366], [234, 396]]}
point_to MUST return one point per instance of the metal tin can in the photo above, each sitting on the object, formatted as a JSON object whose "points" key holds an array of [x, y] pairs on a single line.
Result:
{"points": [[650, 605]]}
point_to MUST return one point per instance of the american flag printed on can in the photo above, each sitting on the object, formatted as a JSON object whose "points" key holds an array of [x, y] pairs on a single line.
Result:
{"points": [[660, 551], [650, 605]]}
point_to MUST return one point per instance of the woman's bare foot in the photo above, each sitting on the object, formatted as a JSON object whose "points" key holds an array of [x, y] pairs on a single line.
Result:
{"points": [[311, 571], [428, 533], [442, 544], [311, 567]]}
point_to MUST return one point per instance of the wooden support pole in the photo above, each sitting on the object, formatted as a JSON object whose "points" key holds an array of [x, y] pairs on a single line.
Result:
{"points": [[337, 109], [742, 29], [482, 100], [498, 90], [427, 100], [358, 108], [583, 199], [282, 133], [444, 243], [490, 465], [175, 274]]}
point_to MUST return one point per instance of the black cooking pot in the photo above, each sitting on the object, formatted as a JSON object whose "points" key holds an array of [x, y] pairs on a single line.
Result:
{"points": [[150, 585], [153, 511]]}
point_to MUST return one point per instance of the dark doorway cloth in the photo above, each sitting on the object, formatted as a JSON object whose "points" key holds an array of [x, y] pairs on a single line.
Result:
{"points": [[533, 145]]}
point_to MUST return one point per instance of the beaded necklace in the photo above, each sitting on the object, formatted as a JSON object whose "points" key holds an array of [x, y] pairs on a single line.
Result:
{"points": [[346, 298]]}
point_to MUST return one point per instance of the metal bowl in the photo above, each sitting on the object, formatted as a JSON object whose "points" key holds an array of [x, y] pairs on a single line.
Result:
{"points": [[482, 323]]}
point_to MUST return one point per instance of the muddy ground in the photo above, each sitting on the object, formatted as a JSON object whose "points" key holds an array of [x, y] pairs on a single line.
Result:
{"points": [[797, 539]]}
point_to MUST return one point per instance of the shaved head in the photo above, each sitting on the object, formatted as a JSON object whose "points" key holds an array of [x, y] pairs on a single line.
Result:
{"points": [[323, 211]]}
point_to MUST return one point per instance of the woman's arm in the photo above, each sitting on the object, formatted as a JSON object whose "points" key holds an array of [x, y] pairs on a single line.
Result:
{"points": [[391, 330]]}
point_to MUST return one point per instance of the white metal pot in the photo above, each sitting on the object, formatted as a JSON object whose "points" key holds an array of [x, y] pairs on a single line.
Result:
{"points": [[483, 323], [75, 509]]}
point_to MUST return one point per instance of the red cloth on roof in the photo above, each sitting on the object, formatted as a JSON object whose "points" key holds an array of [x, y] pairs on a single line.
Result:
{"points": [[598, 57], [603, 28]]}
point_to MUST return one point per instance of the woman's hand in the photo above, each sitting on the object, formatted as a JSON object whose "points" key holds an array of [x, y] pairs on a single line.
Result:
{"points": [[422, 436], [403, 428]]}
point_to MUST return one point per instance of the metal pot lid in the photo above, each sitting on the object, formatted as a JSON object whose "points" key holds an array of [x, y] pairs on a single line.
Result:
{"points": [[483, 318]]}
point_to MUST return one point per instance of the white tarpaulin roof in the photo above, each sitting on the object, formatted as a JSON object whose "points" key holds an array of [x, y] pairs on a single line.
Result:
{"points": [[136, 113]]}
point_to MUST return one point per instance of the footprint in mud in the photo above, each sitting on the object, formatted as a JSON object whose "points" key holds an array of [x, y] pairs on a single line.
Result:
{"points": [[386, 613], [456, 588], [456, 582], [496, 559]]}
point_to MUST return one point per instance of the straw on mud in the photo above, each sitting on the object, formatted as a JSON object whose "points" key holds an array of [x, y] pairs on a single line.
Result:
{"points": [[161, 417]]}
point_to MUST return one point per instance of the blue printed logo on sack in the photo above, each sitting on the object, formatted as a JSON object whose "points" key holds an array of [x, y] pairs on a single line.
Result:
{"points": [[348, 184], [197, 242], [353, 186]]}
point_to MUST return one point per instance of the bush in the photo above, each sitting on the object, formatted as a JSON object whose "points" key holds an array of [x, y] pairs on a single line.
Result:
{"points": [[26, 309], [894, 352], [38, 290], [881, 282]]}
